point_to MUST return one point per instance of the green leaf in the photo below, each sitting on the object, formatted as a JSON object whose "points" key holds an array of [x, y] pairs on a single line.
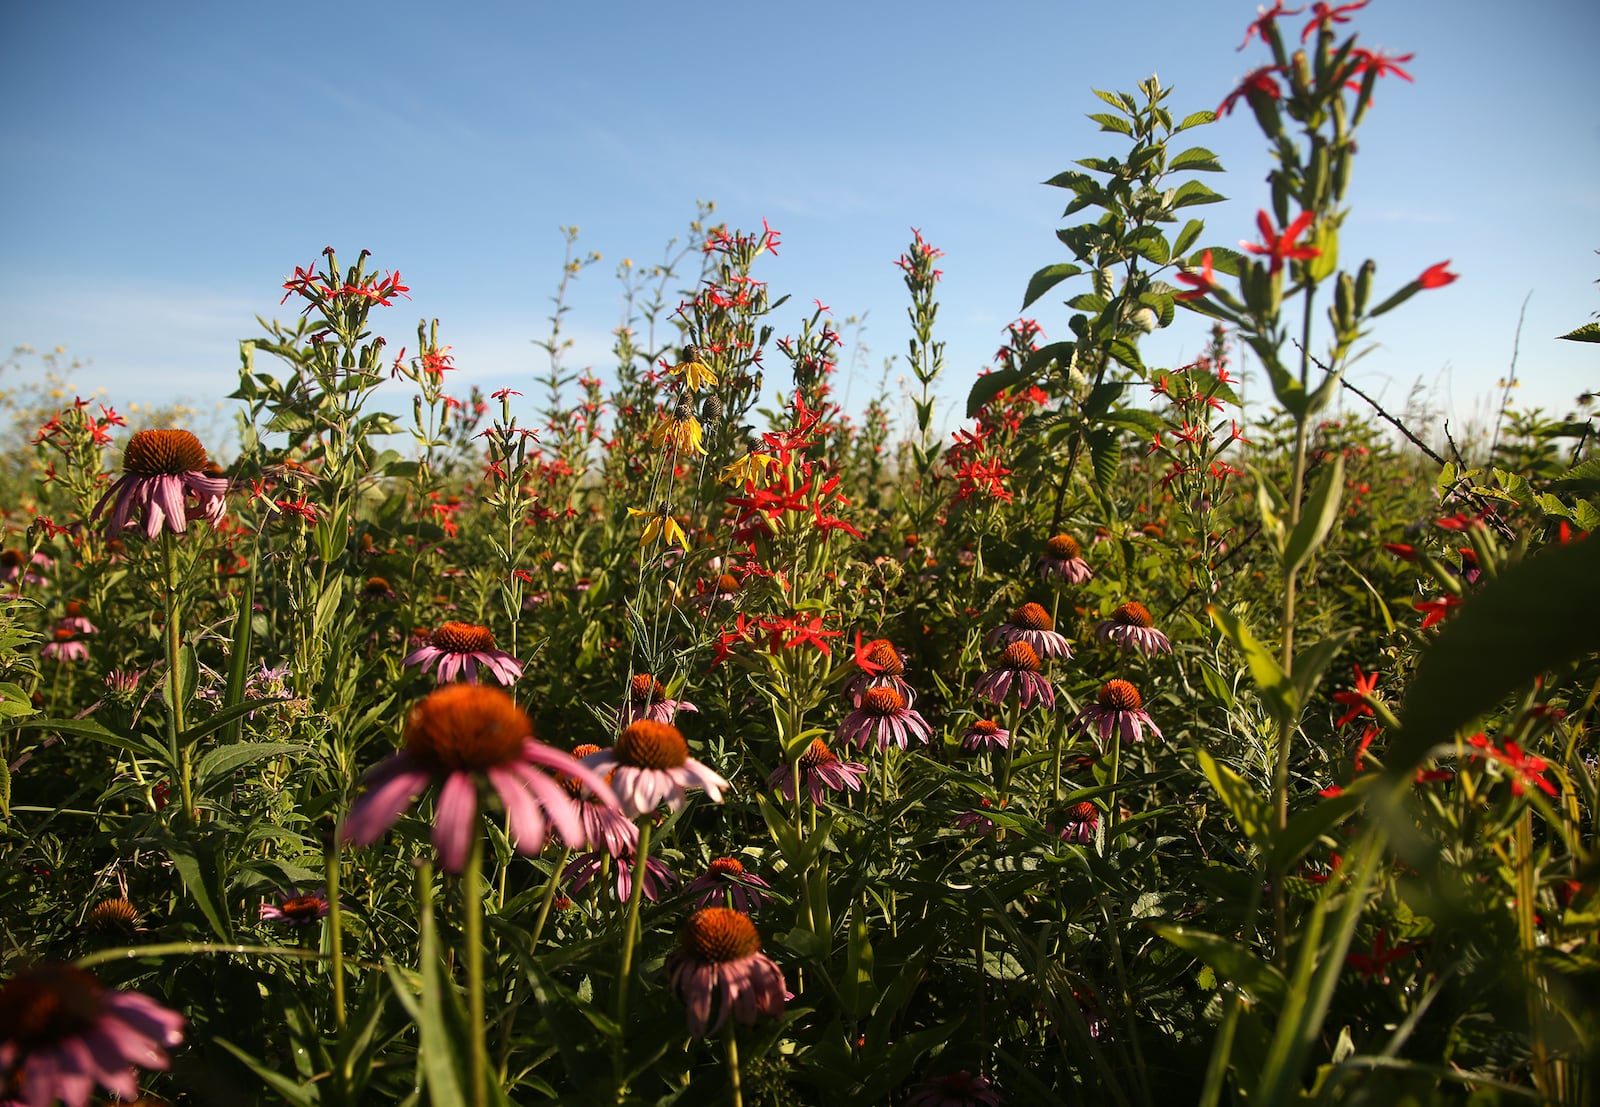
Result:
{"points": [[1248, 807], [1195, 119], [1147, 422], [1105, 454], [1114, 123], [1317, 517], [1579, 478], [1229, 960], [1187, 238], [194, 879], [1589, 332], [990, 385], [1101, 397], [1270, 679], [1046, 279], [239, 668], [293, 1093], [224, 760], [1311, 662], [1521, 623], [1196, 158], [1190, 193], [1151, 244], [856, 990], [1306, 827]]}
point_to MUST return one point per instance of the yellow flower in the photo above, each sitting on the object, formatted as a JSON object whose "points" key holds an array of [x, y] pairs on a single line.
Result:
{"points": [[750, 467], [682, 434], [696, 374], [661, 525]]}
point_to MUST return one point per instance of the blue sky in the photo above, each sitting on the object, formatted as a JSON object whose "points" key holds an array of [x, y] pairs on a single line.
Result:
{"points": [[168, 165]]}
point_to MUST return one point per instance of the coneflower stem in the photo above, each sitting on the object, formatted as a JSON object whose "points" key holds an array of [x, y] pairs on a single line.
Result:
{"points": [[174, 643], [733, 1066], [472, 912], [549, 898], [335, 935], [630, 932]]}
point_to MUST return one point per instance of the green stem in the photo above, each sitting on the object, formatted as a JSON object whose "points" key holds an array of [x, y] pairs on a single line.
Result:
{"points": [[174, 645], [733, 1065], [335, 936], [549, 898], [630, 932], [472, 912]]}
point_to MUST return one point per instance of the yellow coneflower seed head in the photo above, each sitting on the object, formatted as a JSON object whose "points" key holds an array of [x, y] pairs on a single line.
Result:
{"points": [[882, 701], [1120, 696], [881, 652], [467, 726], [1063, 547], [1133, 614], [163, 452], [1020, 656], [645, 688], [463, 638], [718, 934], [1032, 616], [648, 744], [817, 753], [113, 914]]}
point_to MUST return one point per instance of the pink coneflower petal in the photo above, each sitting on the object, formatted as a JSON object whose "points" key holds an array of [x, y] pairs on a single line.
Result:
{"points": [[455, 820], [392, 787], [525, 823], [559, 807]]}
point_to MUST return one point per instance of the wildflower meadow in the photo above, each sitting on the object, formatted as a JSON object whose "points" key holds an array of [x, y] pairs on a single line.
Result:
{"points": [[697, 740]]}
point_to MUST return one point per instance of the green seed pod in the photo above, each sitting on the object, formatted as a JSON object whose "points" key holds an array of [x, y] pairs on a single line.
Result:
{"points": [[1344, 305], [1364, 284]]}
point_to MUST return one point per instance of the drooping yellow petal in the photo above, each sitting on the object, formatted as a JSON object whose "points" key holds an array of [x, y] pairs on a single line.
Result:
{"points": [[696, 374]]}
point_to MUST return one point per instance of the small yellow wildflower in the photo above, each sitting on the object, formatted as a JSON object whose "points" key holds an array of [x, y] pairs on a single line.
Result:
{"points": [[696, 374], [661, 525], [683, 434], [751, 467]]}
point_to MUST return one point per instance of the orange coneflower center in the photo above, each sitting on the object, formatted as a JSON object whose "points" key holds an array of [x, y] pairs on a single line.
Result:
{"points": [[163, 452], [48, 1003], [1031, 616], [74, 608], [1133, 615], [725, 866], [303, 908], [64, 635], [720, 934], [1120, 696], [11, 559], [647, 744], [467, 726], [463, 638], [1063, 547], [645, 688], [881, 652], [986, 727], [377, 586], [1020, 656], [109, 913], [882, 701], [816, 754], [1084, 812], [727, 582]]}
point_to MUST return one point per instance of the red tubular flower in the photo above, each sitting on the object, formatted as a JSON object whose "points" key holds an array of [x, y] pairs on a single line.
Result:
{"points": [[1436, 276], [1281, 247], [1435, 610], [1324, 15], [1205, 281], [1356, 698], [1383, 63], [1259, 80], [1264, 22]]}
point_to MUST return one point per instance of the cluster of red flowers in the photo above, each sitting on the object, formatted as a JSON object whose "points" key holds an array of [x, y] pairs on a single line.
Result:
{"points": [[317, 288]]}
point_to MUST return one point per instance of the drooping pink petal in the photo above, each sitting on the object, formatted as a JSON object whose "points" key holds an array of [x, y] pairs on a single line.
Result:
{"points": [[455, 820]]}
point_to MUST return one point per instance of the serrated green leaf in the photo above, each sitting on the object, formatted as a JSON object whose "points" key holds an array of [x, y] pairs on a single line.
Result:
{"points": [[1589, 332], [1101, 397], [1105, 455], [1190, 193], [1197, 159], [1579, 478], [1113, 123], [1188, 237], [990, 385], [224, 760], [1147, 422], [1195, 119], [1046, 279]]}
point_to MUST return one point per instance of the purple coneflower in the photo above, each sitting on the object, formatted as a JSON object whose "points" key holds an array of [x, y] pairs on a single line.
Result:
{"points": [[458, 735], [658, 878], [14, 567], [65, 644], [1078, 822], [650, 765], [62, 1032], [297, 910], [976, 821], [725, 879], [161, 471], [984, 735], [605, 827], [880, 665], [1019, 663], [959, 1089], [1131, 627], [882, 714], [1032, 624], [377, 590], [821, 772], [461, 648], [1117, 710], [647, 699], [1063, 558], [719, 965]]}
